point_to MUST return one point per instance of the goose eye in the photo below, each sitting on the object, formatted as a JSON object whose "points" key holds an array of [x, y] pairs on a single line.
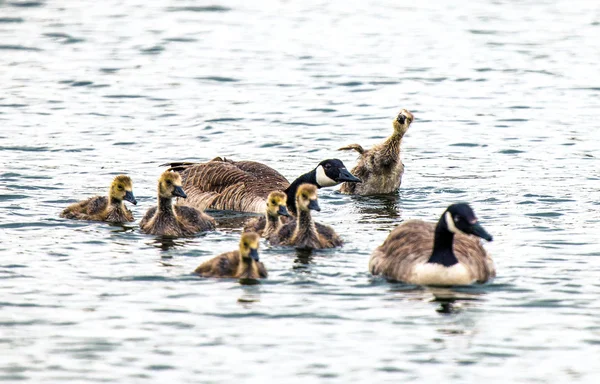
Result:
{"points": [[456, 219], [327, 166]]}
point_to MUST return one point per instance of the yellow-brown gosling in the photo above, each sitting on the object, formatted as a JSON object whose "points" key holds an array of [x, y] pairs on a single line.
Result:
{"points": [[271, 221], [243, 263], [417, 252], [245, 185], [169, 220], [304, 232], [380, 167], [102, 208]]}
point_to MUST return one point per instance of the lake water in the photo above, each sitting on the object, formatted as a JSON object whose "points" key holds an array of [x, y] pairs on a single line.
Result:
{"points": [[505, 97]]}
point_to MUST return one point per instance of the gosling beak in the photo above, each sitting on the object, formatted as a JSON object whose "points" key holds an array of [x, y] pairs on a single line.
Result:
{"points": [[254, 254], [178, 191], [401, 118], [283, 211], [314, 205], [345, 175], [129, 197], [477, 230]]}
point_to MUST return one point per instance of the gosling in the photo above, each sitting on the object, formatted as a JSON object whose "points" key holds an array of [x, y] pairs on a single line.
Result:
{"points": [[102, 208], [266, 225], [380, 167], [175, 221], [422, 253], [243, 263], [304, 232]]}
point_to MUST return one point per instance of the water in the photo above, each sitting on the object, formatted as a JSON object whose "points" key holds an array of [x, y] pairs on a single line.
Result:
{"points": [[505, 98]]}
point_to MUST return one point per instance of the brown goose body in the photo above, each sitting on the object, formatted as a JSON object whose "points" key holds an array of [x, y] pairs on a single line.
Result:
{"points": [[407, 252], [380, 167], [224, 184], [167, 219], [304, 232], [236, 264], [102, 208]]}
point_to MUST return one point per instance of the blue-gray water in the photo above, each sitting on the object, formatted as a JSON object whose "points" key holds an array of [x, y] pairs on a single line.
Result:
{"points": [[505, 96]]}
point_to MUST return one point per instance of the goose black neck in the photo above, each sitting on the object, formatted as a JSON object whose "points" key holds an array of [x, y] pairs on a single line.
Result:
{"points": [[165, 205], [307, 178], [442, 246]]}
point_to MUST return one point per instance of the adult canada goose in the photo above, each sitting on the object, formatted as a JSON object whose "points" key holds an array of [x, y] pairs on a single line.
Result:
{"points": [[103, 208], [304, 232], [380, 167], [245, 185], [417, 252], [169, 220], [243, 263], [271, 221]]}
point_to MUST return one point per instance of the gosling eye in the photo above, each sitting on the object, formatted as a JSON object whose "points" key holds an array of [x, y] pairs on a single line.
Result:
{"points": [[169, 182], [273, 202], [120, 187]]}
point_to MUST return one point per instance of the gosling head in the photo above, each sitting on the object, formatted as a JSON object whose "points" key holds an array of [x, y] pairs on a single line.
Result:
{"points": [[403, 121], [460, 218], [249, 246], [331, 172], [306, 198], [276, 204], [169, 185], [122, 189]]}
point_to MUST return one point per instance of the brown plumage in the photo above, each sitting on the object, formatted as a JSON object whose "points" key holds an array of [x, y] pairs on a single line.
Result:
{"points": [[380, 167], [304, 232], [272, 220], [169, 220], [243, 263], [224, 184], [445, 253], [103, 208]]}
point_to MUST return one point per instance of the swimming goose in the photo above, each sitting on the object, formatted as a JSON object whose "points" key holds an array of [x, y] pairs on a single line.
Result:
{"points": [[245, 185], [102, 208], [169, 220], [417, 252], [304, 232], [380, 167], [271, 221], [243, 263]]}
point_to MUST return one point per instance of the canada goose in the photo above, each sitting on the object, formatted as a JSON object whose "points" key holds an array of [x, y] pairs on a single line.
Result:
{"points": [[417, 252], [380, 167], [170, 220], [102, 208], [304, 232], [243, 263], [271, 221], [245, 185]]}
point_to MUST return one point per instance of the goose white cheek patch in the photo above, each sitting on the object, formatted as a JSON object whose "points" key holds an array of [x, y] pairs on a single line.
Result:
{"points": [[323, 180], [450, 223]]}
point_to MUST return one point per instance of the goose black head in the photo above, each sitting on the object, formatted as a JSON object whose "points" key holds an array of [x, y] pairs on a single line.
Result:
{"points": [[122, 189], [460, 218], [403, 121], [249, 246], [169, 185], [332, 172], [276, 204], [306, 198]]}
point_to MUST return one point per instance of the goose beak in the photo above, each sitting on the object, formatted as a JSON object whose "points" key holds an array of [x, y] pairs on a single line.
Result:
{"points": [[129, 197], [254, 254], [178, 191], [314, 205], [345, 175], [477, 230], [401, 118], [283, 211]]}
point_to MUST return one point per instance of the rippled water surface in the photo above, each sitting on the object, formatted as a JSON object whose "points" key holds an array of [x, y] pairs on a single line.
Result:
{"points": [[506, 100]]}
